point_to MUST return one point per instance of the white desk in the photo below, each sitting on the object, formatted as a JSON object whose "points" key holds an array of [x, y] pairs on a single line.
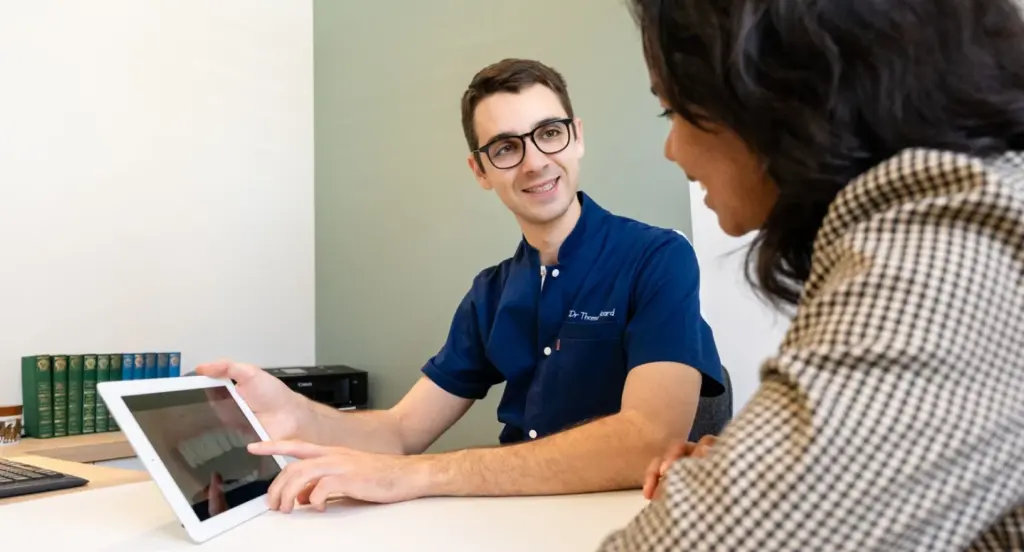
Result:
{"points": [[134, 517]]}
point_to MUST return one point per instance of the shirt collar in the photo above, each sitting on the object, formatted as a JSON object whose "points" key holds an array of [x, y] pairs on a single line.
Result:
{"points": [[591, 215]]}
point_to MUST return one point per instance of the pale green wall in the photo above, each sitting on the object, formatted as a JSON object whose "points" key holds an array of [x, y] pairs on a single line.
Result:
{"points": [[401, 225]]}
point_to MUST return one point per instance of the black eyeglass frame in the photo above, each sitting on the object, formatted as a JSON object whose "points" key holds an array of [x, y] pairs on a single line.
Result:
{"points": [[485, 149]]}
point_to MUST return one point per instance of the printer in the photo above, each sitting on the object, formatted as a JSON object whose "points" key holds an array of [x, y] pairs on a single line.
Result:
{"points": [[338, 386]]}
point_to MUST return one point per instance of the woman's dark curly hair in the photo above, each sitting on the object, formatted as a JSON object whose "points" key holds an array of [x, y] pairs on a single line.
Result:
{"points": [[822, 90]]}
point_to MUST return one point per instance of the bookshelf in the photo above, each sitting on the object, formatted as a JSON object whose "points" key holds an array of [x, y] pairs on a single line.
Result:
{"points": [[87, 448]]}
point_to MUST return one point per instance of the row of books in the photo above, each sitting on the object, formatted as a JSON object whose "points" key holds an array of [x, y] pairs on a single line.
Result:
{"points": [[59, 395]]}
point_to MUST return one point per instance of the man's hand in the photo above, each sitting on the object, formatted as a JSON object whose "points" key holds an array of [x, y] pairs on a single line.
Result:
{"points": [[410, 427], [661, 464], [275, 406], [322, 472]]}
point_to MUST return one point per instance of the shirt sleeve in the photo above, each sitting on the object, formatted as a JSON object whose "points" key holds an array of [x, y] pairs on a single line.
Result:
{"points": [[461, 367], [666, 324], [892, 417]]}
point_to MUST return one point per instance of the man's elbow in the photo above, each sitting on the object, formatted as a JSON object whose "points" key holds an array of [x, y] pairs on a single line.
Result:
{"points": [[653, 432], [663, 397], [396, 434]]}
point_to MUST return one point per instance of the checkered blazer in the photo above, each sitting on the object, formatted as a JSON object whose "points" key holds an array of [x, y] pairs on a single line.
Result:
{"points": [[892, 415]]}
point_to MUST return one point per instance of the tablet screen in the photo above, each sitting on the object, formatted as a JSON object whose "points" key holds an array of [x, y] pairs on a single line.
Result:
{"points": [[201, 435]]}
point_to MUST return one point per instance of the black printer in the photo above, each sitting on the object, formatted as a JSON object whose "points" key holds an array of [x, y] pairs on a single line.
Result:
{"points": [[338, 386]]}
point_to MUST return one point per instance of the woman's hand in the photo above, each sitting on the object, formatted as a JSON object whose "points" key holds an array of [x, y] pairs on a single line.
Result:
{"points": [[659, 466]]}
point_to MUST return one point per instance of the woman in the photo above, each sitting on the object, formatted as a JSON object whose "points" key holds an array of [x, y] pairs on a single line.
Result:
{"points": [[876, 149]]}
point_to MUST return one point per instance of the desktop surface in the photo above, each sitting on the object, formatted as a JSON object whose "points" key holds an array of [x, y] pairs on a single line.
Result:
{"points": [[135, 517]]}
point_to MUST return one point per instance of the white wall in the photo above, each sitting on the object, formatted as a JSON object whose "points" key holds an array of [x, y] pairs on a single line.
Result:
{"points": [[156, 180], [747, 330]]}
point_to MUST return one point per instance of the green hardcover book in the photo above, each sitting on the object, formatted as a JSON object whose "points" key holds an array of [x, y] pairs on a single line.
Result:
{"points": [[89, 395], [37, 396], [115, 375], [102, 375], [75, 381], [60, 395]]}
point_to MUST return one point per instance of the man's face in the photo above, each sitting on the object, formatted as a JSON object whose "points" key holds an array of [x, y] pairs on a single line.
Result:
{"points": [[540, 188]]}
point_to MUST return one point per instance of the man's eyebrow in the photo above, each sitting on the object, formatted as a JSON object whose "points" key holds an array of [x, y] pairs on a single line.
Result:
{"points": [[510, 134]]}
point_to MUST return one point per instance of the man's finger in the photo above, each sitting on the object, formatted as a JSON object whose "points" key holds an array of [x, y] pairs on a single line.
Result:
{"points": [[238, 371], [291, 472], [279, 482], [216, 369], [296, 449], [323, 490], [303, 497], [241, 371], [274, 490], [291, 488]]}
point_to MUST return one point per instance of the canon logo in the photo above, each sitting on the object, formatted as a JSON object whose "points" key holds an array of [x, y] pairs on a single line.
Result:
{"points": [[305, 384]]}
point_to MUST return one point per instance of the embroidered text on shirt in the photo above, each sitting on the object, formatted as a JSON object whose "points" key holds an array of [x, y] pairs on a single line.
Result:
{"points": [[583, 315]]}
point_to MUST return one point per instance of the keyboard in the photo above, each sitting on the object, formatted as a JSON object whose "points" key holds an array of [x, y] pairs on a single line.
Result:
{"points": [[18, 479]]}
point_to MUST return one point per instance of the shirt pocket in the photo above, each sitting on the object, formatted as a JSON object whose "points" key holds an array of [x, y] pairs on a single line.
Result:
{"points": [[590, 331], [591, 368]]}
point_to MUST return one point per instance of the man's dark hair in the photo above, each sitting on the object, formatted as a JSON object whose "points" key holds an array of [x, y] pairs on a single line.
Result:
{"points": [[824, 90], [508, 75]]}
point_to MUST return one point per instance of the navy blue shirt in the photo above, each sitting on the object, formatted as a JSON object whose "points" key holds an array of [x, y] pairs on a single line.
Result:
{"points": [[564, 337]]}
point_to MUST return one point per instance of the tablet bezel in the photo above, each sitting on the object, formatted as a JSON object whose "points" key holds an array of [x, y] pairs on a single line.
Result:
{"points": [[113, 393]]}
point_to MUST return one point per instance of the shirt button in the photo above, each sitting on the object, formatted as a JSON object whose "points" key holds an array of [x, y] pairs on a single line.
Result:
{"points": [[533, 434], [547, 351], [554, 273]]}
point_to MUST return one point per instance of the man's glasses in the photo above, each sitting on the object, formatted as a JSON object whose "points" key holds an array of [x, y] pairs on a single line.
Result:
{"points": [[506, 152]]}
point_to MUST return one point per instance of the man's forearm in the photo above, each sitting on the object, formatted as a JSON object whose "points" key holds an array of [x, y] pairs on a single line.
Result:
{"points": [[368, 430], [606, 454]]}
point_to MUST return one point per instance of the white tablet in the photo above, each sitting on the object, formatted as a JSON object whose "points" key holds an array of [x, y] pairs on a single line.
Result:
{"points": [[191, 433]]}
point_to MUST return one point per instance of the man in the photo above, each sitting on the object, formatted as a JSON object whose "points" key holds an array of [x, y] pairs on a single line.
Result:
{"points": [[594, 325]]}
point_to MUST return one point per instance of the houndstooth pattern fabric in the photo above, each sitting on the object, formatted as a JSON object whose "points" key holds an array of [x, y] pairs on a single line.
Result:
{"points": [[892, 416]]}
